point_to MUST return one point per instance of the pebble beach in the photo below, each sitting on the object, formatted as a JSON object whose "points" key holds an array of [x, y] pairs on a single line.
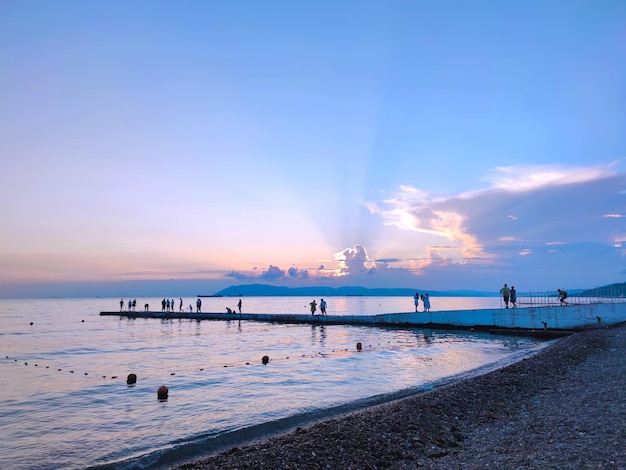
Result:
{"points": [[562, 408]]}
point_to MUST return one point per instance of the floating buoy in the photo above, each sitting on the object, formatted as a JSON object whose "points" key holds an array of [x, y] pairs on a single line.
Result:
{"points": [[82, 321], [162, 392], [173, 373], [426, 337], [131, 379], [359, 347], [265, 360], [31, 322]]}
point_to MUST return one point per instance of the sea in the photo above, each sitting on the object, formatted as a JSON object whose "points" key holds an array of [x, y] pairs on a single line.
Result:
{"points": [[67, 403]]}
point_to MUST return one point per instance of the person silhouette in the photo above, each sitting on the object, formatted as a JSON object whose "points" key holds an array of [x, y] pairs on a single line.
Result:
{"points": [[505, 291]]}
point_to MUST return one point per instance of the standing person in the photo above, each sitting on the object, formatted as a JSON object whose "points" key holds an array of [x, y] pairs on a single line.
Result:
{"points": [[163, 305], [426, 301], [416, 300], [313, 307], [134, 304], [121, 304], [172, 305], [505, 291], [199, 306], [239, 305], [323, 306], [180, 308], [513, 296], [130, 304], [562, 296], [167, 304]]}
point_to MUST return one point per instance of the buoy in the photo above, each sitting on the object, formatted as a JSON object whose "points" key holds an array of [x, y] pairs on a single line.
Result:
{"points": [[426, 337], [265, 360], [162, 392], [359, 347], [471, 329], [131, 379], [31, 322]]}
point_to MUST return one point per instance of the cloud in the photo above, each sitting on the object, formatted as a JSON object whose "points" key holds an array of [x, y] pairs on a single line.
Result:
{"points": [[558, 211], [534, 223]]}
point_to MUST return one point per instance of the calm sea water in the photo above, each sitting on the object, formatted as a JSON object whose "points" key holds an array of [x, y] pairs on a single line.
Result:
{"points": [[66, 403]]}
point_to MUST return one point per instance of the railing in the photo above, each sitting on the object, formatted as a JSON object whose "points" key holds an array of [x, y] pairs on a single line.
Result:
{"points": [[600, 295]]}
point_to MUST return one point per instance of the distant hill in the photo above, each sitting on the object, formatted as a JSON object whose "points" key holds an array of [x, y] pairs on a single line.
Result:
{"points": [[612, 290], [265, 290]]}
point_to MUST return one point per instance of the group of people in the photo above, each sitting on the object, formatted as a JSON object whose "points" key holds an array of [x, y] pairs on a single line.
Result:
{"points": [[132, 304], [425, 300], [509, 295], [168, 305], [232, 310], [313, 306]]}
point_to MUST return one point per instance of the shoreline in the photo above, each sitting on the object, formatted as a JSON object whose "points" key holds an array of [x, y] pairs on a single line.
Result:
{"points": [[564, 407]]}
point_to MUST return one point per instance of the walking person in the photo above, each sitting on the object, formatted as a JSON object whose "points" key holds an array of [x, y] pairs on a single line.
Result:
{"points": [[513, 298], [416, 300], [323, 306], [505, 291], [313, 307], [180, 308], [562, 296]]}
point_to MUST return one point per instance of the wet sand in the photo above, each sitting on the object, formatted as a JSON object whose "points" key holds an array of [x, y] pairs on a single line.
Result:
{"points": [[563, 408]]}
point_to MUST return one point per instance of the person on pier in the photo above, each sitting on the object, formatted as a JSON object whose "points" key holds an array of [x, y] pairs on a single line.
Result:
{"points": [[505, 291]]}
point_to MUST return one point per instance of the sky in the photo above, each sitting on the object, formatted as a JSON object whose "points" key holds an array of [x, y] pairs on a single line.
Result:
{"points": [[433, 145]]}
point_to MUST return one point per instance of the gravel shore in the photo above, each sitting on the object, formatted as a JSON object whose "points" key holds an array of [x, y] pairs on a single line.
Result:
{"points": [[563, 408]]}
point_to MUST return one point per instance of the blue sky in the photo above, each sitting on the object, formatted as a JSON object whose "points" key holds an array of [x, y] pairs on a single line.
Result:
{"points": [[435, 145]]}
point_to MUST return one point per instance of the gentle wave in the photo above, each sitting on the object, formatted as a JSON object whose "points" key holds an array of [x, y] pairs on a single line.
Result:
{"points": [[67, 404]]}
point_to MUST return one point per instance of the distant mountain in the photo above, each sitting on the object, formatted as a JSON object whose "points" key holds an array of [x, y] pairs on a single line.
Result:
{"points": [[265, 290]]}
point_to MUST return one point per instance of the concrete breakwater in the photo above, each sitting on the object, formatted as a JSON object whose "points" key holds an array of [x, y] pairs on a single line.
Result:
{"points": [[555, 319]]}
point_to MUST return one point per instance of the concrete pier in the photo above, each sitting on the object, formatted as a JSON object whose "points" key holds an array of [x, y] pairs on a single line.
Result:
{"points": [[545, 318]]}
